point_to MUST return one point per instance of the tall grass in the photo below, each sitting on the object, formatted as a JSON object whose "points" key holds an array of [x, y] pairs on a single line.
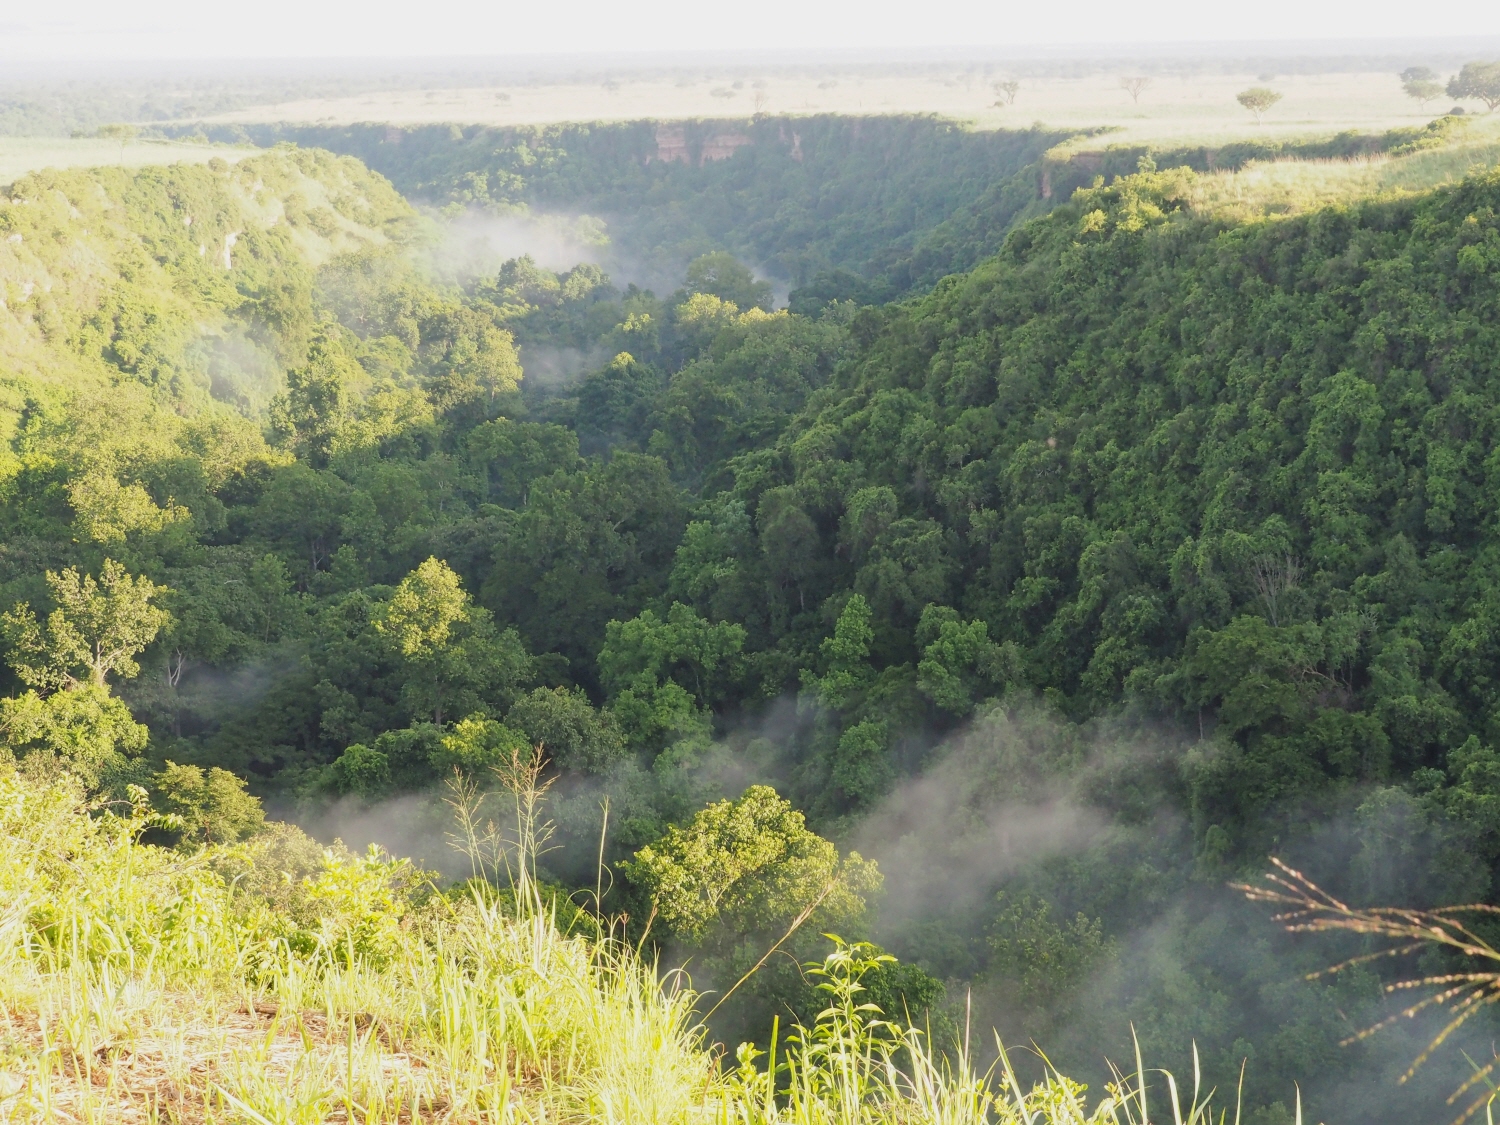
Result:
{"points": [[1283, 187], [269, 984]]}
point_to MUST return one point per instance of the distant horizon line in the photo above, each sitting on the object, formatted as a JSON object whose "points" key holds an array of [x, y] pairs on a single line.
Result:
{"points": [[1219, 50]]}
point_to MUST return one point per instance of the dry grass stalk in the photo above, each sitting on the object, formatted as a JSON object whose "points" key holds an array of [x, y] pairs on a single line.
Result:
{"points": [[1459, 995]]}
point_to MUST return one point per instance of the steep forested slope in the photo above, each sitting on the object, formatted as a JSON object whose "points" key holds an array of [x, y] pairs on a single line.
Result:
{"points": [[1242, 476], [1239, 479]]}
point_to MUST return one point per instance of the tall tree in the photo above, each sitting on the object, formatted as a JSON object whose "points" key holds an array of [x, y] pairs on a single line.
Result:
{"points": [[311, 413], [726, 277], [1480, 81], [457, 660], [1422, 90], [750, 866], [96, 630]]}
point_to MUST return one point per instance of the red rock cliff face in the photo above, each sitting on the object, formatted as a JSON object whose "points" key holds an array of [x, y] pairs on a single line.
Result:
{"points": [[721, 146], [672, 145]]}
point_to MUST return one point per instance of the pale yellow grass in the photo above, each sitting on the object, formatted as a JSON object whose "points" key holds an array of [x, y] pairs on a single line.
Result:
{"points": [[1172, 110], [1280, 187], [19, 155]]}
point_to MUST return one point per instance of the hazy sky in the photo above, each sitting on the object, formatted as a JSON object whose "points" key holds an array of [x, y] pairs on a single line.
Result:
{"points": [[145, 29]]}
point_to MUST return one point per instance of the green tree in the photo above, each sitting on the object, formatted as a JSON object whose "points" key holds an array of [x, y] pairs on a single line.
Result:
{"points": [[614, 402], [84, 727], [96, 630], [1257, 100], [1477, 80], [861, 766], [588, 547], [468, 360], [302, 512], [684, 646], [1041, 958], [1252, 672], [455, 657], [790, 542], [1422, 90], [571, 731], [108, 512], [312, 413], [364, 771], [212, 803], [960, 664], [700, 320], [750, 866], [661, 675], [654, 715], [732, 883], [722, 275], [413, 757], [421, 616], [117, 131], [274, 608], [511, 455], [478, 746], [845, 657]]}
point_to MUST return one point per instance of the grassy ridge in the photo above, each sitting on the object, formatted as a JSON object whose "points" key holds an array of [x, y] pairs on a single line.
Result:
{"points": [[274, 982]]}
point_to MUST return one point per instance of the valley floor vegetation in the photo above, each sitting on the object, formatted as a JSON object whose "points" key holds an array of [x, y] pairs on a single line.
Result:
{"points": [[1071, 543]]}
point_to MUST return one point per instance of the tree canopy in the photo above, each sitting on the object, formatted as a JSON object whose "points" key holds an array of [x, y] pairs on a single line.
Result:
{"points": [[1257, 99], [1477, 80]]}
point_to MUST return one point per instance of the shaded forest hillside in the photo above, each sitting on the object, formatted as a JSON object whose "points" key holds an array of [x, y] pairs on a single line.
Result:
{"points": [[855, 207]]}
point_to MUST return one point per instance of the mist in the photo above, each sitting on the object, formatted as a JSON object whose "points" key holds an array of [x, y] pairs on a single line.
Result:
{"points": [[240, 372], [947, 838], [417, 826], [476, 243], [1026, 832], [550, 367]]}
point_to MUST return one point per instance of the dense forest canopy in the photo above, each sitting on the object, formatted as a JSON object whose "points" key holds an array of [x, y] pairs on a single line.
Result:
{"points": [[1003, 624]]}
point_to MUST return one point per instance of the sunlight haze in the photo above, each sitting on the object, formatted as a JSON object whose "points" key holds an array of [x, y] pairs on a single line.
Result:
{"points": [[146, 29]]}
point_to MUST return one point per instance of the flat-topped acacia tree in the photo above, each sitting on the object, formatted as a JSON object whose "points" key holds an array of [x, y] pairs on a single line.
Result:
{"points": [[1257, 100]]}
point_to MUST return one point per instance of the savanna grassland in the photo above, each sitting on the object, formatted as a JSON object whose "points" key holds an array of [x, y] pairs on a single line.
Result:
{"points": [[1175, 108], [862, 582]]}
